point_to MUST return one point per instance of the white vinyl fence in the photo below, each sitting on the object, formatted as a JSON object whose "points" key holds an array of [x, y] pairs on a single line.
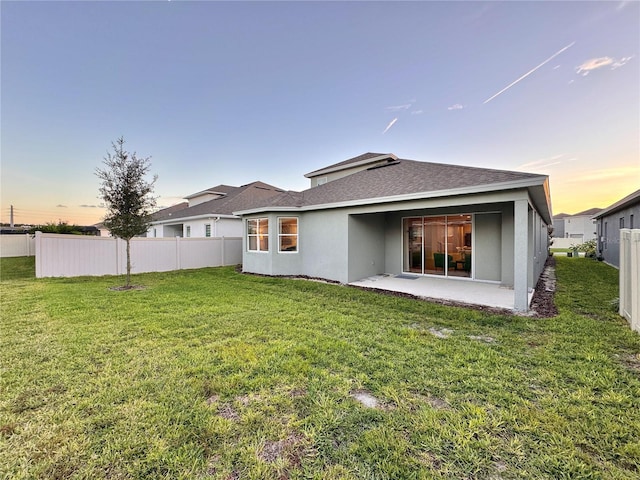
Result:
{"points": [[630, 276], [73, 256], [17, 245]]}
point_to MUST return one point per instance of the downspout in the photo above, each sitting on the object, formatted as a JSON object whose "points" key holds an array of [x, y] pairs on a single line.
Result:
{"points": [[215, 226]]}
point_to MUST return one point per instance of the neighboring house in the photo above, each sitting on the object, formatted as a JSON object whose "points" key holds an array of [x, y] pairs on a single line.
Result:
{"points": [[209, 213], [558, 225], [581, 226], [624, 213], [378, 214]]}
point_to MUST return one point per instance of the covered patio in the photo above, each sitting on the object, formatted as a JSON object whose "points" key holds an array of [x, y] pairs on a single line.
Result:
{"points": [[487, 294]]}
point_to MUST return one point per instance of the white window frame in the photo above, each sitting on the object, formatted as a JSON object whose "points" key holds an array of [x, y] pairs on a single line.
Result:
{"points": [[207, 230], [321, 181], [187, 232], [257, 235], [296, 235]]}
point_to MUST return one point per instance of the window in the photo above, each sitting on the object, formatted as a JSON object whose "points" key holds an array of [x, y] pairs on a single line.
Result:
{"points": [[155, 232], [631, 221], [258, 235], [287, 234], [188, 234], [207, 230], [321, 181], [621, 222]]}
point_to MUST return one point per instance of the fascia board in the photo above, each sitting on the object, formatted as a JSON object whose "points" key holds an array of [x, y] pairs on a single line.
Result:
{"points": [[525, 183], [348, 166], [195, 217]]}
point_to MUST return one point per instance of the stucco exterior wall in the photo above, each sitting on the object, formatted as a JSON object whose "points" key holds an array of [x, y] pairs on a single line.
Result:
{"points": [[609, 236], [351, 243], [366, 245], [579, 227], [487, 249]]}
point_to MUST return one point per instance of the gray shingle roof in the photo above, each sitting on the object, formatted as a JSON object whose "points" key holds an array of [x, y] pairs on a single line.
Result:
{"points": [[398, 177], [237, 198]]}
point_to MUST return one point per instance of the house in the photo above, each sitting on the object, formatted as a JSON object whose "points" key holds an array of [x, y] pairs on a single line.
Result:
{"points": [[379, 214], [622, 214], [209, 213], [580, 227]]}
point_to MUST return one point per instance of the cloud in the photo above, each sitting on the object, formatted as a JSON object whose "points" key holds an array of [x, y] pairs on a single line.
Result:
{"points": [[593, 64], [621, 5], [61, 206], [620, 63], [417, 112], [457, 106], [605, 174], [546, 162], [529, 72], [92, 206], [390, 125], [397, 108]]}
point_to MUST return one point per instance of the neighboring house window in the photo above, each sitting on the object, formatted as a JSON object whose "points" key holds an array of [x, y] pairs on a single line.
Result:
{"points": [[287, 234], [258, 235], [631, 221], [155, 233], [621, 222], [188, 234], [321, 181], [606, 238], [207, 230]]}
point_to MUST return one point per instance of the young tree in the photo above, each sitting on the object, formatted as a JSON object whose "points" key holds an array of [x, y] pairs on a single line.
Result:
{"points": [[127, 195]]}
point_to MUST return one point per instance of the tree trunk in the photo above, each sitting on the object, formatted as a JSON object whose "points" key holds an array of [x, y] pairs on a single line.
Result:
{"points": [[128, 262]]}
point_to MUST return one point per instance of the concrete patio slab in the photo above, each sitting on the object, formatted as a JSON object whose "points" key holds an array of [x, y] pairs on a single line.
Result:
{"points": [[455, 290]]}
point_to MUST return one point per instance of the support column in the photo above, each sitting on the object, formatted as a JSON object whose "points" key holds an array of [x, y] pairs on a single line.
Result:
{"points": [[521, 255]]}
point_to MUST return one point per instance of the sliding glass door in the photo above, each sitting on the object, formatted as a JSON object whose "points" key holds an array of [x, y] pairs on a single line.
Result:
{"points": [[438, 245]]}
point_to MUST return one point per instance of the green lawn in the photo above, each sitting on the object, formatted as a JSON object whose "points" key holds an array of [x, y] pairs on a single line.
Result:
{"points": [[211, 374]]}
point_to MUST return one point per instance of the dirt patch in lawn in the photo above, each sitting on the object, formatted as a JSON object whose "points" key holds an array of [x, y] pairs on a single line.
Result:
{"points": [[290, 449], [124, 288]]}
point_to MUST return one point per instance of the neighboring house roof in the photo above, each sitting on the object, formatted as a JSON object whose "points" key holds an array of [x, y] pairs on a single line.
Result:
{"points": [[167, 212], [588, 213], [235, 198], [400, 179], [627, 201], [560, 216]]}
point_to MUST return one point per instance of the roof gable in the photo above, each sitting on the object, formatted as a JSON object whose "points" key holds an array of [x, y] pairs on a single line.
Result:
{"points": [[363, 159]]}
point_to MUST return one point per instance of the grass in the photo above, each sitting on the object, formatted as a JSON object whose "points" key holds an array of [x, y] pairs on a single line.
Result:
{"points": [[211, 374]]}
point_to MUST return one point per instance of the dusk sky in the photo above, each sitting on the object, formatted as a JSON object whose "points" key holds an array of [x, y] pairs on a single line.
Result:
{"points": [[233, 92]]}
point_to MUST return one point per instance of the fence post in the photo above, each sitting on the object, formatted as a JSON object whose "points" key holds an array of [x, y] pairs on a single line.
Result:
{"points": [[634, 274], [178, 254], [38, 254], [623, 273], [222, 254]]}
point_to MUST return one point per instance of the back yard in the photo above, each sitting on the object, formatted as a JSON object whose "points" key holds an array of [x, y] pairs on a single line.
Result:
{"points": [[211, 374]]}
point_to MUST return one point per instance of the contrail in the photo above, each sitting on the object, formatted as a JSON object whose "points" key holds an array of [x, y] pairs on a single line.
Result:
{"points": [[390, 125], [530, 72]]}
